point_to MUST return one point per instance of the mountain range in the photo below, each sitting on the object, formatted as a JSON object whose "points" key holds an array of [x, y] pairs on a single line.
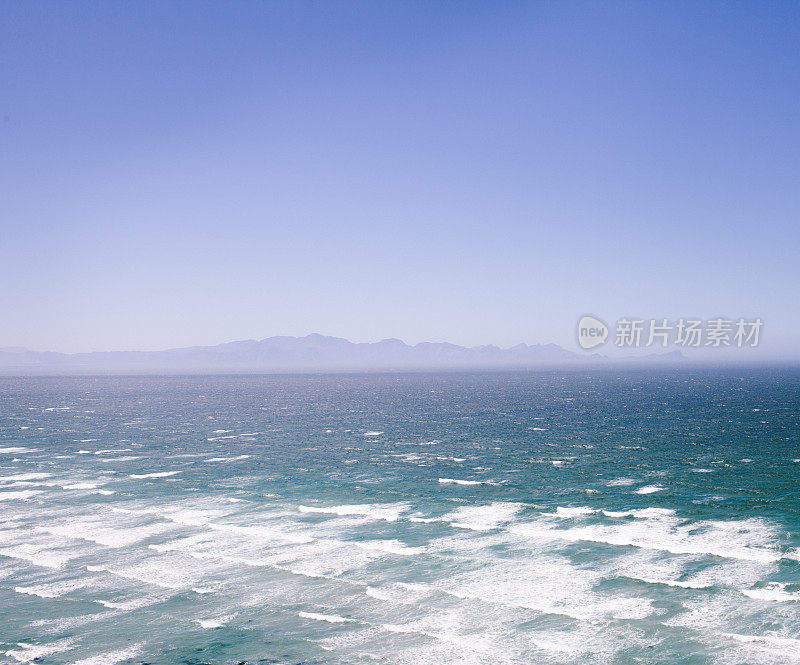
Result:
{"points": [[312, 353]]}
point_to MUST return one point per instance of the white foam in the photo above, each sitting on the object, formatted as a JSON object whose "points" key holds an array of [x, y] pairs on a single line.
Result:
{"points": [[25, 476], [30, 652], [215, 623], [20, 495], [42, 591], [777, 645], [111, 657], [81, 486], [226, 459], [650, 489], [17, 450], [330, 618], [642, 513], [748, 540], [453, 481], [54, 589], [483, 518], [774, 593], [261, 533], [128, 605], [155, 572], [390, 547], [372, 433], [674, 583], [573, 511], [156, 474], [378, 594], [376, 511], [38, 556], [620, 482], [102, 534]]}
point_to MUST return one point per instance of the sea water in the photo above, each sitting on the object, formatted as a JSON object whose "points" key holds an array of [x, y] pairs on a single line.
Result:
{"points": [[552, 517]]}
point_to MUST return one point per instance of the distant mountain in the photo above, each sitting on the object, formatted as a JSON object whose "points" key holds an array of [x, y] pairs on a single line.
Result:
{"points": [[312, 353]]}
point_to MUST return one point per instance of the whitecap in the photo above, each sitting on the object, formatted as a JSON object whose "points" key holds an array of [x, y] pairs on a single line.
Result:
{"points": [[26, 476], [390, 547], [156, 474], [18, 495], [215, 623], [650, 489], [28, 652], [454, 481], [330, 618], [376, 511], [111, 657], [483, 518]]}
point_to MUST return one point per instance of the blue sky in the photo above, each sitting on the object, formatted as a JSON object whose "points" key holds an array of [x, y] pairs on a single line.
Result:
{"points": [[192, 173]]}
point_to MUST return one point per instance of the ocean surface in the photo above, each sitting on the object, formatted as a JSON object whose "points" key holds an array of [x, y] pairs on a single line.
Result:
{"points": [[495, 518]]}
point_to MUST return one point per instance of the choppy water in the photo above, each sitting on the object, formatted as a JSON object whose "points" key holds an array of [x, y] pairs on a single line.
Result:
{"points": [[489, 518]]}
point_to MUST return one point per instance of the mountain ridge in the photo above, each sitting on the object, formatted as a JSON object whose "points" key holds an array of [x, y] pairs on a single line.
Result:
{"points": [[282, 353]]}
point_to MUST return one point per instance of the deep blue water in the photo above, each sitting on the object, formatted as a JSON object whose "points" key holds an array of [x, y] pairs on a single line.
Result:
{"points": [[603, 517]]}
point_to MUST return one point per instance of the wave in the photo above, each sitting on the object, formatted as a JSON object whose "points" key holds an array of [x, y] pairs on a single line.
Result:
{"points": [[650, 489], [390, 547], [642, 513], [226, 459], [330, 618], [37, 556], [112, 657], [620, 482], [453, 481], [775, 593], [748, 540], [672, 583], [573, 511], [376, 511], [483, 518], [215, 623], [18, 495], [102, 534], [25, 476], [156, 474], [28, 653]]}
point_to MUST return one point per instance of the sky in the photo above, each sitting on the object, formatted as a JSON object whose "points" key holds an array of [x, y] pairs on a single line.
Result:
{"points": [[186, 173]]}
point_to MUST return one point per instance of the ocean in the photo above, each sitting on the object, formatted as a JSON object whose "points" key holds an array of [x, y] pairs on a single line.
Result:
{"points": [[648, 516]]}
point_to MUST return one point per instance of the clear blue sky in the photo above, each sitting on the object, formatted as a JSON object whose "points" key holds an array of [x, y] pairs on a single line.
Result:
{"points": [[187, 173]]}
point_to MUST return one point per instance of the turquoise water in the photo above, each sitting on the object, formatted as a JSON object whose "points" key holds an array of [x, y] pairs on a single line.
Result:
{"points": [[605, 517]]}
